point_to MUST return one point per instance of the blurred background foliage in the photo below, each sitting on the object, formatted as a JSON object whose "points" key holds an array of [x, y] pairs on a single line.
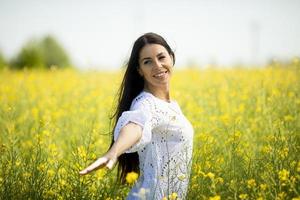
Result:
{"points": [[45, 52], [2, 61]]}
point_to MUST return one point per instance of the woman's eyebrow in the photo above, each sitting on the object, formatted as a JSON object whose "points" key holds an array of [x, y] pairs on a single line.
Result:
{"points": [[159, 54]]}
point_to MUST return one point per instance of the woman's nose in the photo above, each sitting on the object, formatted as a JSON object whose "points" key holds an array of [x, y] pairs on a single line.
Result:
{"points": [[157, 63]]}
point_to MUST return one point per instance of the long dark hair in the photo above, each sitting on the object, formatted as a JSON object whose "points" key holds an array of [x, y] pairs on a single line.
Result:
{"points": [[131, 86]]}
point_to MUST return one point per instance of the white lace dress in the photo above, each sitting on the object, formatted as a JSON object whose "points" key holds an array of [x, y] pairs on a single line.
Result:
{"points": [[165, 148]]}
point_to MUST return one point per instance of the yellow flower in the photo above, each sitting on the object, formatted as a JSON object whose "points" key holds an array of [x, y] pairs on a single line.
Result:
{"points": [[173, 196], [100, 174], [131, 177], [225, 119], [243, 196], [41, 167], [263, 187], [53, 149], [62, 171], [210, 175], [284, 152], [62, 182], [18, 163], [251, 183], [82, 152], [220, 180], [50, 173], [266, 149], [217, 197], [283, 175], [282, 195]]}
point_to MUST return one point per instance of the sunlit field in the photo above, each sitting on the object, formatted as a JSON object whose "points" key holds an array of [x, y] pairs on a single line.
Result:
{"points": [[246, 143]]}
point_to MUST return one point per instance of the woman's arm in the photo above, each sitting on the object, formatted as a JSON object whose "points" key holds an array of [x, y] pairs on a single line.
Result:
{"points": [[129, 135]]}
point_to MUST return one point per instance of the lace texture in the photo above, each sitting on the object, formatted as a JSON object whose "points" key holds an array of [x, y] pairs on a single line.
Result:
{"points": [[165, 148]]}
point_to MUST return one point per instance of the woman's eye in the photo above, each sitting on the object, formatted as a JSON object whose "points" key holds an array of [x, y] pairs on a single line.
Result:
{"points": [[146, 62], [162, 57]]}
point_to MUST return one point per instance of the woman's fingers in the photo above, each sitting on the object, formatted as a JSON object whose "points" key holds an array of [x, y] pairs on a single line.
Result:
{"points": [[111, 163], [95, 165], [108, 160]]}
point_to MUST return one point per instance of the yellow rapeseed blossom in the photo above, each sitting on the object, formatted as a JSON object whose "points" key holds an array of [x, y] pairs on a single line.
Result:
{"points": [[18, 163], [284, 152], [263, 187], [50, 173], [131, 177], [41, 167], [282, 195], [266, 149], [217, 197], [220, 180], [210, 175], [251, 183], [53, 149], [82, 152], [46, 114], [243, 196], [283, 175], [62, 183], [173, 196]]}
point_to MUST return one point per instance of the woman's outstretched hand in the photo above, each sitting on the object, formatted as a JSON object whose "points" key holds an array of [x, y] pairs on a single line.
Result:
{"points": [[108, 160], [130, 134]]}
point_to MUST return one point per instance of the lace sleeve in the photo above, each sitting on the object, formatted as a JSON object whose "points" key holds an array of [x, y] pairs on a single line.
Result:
{"points": [[140, 113]]}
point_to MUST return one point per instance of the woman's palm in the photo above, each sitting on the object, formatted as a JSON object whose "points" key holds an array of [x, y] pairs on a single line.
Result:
{"points": [[105, 161]]}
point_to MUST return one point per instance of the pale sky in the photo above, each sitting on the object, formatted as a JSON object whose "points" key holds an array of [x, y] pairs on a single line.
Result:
{"points": [[100, 34]]}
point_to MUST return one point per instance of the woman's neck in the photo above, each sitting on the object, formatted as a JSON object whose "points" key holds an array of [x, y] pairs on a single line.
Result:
{"points": [[160, 92]]}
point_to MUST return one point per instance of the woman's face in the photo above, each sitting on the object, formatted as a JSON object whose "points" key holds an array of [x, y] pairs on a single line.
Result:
{"points": [[155, 65]]}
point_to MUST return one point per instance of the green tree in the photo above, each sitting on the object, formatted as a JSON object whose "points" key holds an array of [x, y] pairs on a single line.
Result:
{"points": [[2, 61], [42, 53], [53, 52], [30, 56]]}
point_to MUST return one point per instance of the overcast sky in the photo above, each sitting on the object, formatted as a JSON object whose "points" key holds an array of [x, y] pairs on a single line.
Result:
{"points": [[100, 34]]}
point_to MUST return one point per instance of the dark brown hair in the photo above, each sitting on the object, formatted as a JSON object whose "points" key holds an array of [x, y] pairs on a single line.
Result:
{"points": [[131, 86]]}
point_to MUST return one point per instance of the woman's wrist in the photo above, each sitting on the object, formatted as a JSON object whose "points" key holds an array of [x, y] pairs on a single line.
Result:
{"points": [[113, 152]]}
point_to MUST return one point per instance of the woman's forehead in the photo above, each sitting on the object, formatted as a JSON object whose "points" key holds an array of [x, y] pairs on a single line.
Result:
{"points": [[152, 50]]}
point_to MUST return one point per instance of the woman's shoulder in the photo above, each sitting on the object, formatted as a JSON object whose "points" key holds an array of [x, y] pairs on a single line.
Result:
{"points": [[142, 100]]}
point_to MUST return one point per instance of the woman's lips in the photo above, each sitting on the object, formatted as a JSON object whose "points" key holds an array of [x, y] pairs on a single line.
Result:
{"points": [[160, 74]]}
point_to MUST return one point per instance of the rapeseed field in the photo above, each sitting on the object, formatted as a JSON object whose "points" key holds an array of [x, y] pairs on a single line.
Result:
{"points": [[246, 122]]}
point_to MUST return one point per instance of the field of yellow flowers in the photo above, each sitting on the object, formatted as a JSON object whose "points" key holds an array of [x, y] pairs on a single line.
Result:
{"points": [[246, 144]]}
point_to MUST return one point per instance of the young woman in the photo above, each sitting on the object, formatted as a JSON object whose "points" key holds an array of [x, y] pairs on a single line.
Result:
{"points": [[151, 135]]}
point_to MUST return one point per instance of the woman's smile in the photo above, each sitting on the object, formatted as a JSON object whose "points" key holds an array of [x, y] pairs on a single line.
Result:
{"points": [[161, 75]]}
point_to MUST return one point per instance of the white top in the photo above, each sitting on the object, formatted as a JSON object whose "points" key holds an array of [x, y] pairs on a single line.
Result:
{"points": [[165, 148]]}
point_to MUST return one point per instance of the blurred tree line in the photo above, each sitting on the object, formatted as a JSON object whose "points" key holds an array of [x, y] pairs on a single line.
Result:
{"points": [[2, 61], [38, 53]]}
